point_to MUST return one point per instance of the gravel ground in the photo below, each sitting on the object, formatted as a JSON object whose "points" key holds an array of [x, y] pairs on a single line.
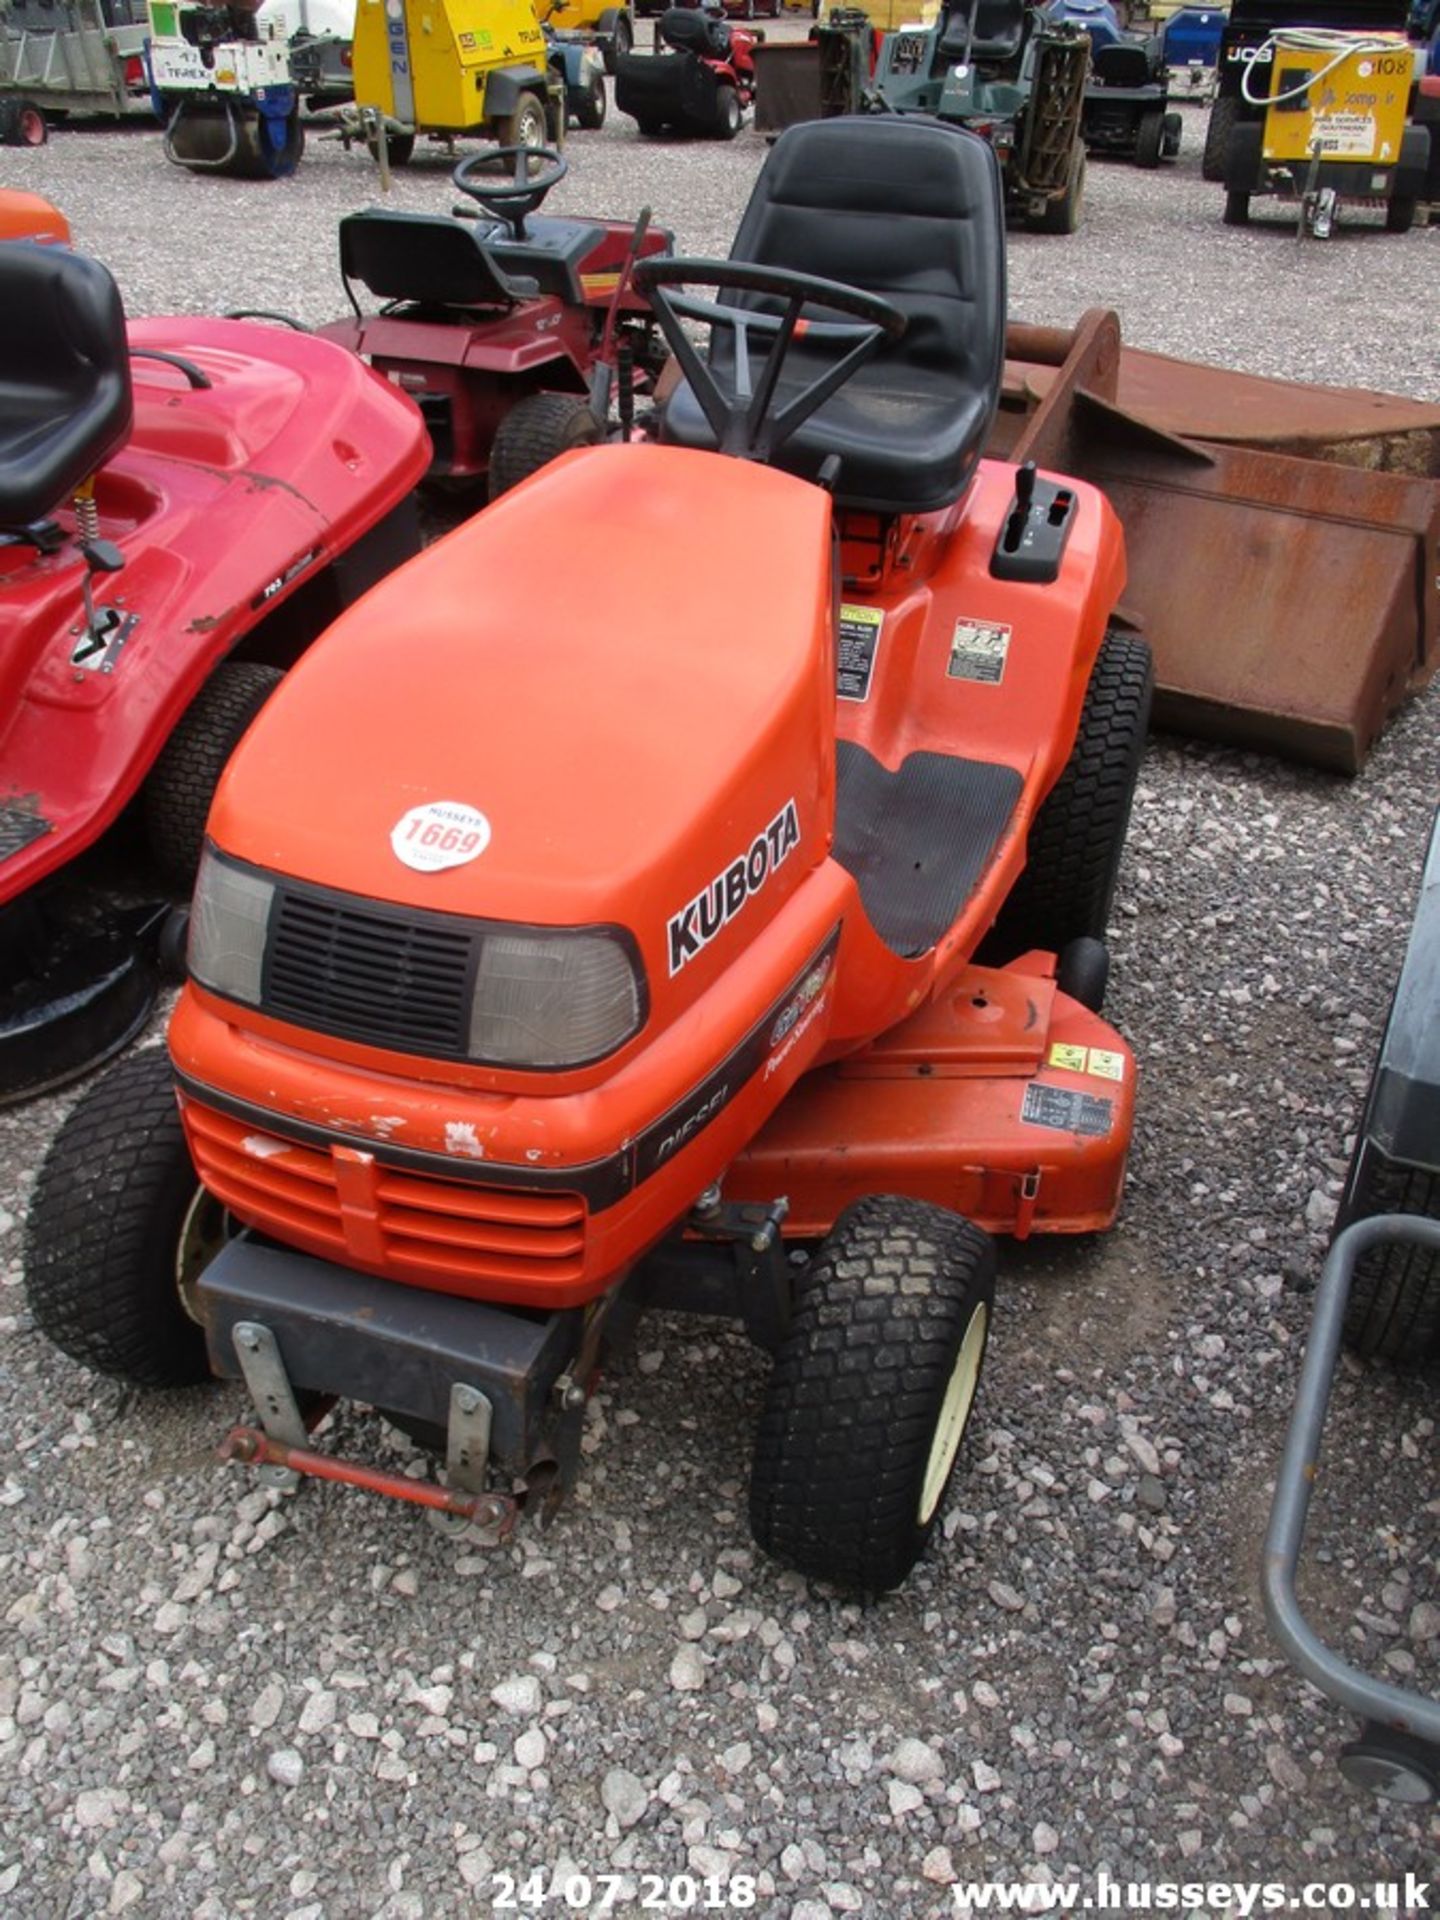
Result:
{"points": [[214, 1702]]}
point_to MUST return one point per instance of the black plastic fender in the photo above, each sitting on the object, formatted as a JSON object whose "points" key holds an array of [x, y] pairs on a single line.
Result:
{"points": [[504, 87]]}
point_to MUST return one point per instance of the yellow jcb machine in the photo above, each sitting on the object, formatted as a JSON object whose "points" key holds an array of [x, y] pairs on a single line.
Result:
{"points": [[451, 67], [1336, 126]]}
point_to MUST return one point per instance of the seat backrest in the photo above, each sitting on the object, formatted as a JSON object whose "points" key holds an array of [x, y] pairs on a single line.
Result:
{"points": [[905, 207], [423, 257], [65, 397], [999, 30], [1124, 63], [688, 30]]}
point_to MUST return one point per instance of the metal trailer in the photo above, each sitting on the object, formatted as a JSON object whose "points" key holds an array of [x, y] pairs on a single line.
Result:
{"points": [[74, 56]]}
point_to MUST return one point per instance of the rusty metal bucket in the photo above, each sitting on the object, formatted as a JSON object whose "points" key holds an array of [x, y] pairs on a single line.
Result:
{"points": [[1283, 540]]}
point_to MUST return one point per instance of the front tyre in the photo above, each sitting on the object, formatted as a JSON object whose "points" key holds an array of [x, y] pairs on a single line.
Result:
{"points": [[871, 1393], [120, 1228], [728, 114], [180, 786]]}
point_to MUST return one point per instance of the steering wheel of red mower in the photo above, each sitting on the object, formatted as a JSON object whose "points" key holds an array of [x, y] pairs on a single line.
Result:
{"points": [[742, 420], [511, 200]]}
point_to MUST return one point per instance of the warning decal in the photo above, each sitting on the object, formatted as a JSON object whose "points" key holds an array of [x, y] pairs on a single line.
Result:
{"points": [[979, 650], [1066, 1109], [1102, 1063], [855, 662]]}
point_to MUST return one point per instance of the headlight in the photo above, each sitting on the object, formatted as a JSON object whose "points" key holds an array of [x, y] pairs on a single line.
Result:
{"points": [[551, 999], [229, 923]]}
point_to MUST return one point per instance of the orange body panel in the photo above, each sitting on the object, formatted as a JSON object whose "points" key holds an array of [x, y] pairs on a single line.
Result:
{"points": [[1003, 1100], [630, 712], [28, 216]]}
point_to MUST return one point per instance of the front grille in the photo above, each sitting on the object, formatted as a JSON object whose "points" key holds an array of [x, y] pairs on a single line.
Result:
{"points": [[392, 979], [345, 1204]]}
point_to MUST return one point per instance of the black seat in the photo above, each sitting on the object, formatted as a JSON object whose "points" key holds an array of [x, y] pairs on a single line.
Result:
{"points": [[688, 30], [423, 257], [1126, 63], [998, 36], [912, 210], [65, 399]]}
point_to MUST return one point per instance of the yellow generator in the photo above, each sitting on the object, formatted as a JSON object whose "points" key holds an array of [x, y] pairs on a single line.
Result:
{"points": [[1336, 125], [456, 66]]}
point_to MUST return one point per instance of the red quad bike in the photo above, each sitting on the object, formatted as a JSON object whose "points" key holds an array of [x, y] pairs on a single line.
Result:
{"points": [[184, 505], [702, 86], [508, 332], [631, 962]]}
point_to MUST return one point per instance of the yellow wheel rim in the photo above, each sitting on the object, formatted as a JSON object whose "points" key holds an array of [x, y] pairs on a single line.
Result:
{"points": [[954, 1414]]}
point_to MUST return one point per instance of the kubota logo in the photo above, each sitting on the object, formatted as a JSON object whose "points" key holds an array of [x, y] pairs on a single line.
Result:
{"points": [[715, 906]]}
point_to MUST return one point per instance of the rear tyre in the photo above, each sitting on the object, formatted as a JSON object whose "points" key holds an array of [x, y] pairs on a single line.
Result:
{"points": [[1083, 972], [536, 431], [590, 111], [1393, 1312], [182, 783], [1217, 138], [1072, 861], [1237, 209], [728, 116], [1150, 140], [621, 41], [871, 1393], [119, 1229], [1399, 215], [650, 128]]}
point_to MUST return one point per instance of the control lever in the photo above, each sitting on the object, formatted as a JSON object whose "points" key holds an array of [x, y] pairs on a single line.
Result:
{"points": [[1032, 540], [101, 556]]}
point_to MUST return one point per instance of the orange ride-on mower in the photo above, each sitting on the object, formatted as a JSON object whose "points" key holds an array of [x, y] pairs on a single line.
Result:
{"points": [[630, 959], [184, 504], [508, 330]]}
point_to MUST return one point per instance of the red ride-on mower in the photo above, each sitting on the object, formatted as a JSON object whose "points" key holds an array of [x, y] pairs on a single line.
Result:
{"points": [[508, 331], [631, 960], [184, 505], [702, 86]]}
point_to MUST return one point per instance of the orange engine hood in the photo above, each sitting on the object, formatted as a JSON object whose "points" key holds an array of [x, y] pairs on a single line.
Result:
{"points": [[625, 666]]}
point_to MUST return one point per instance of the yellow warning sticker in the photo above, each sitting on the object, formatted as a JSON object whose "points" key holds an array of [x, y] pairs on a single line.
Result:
{"points": [[1100, 1062]]}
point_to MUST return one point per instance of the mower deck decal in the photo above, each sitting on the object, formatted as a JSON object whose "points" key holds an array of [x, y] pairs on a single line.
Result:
{"points": [[600, 1183], [859, 641], [1101, 1063], [979, 650], [21, 822], [768, 1043], [917, 840], [1066, 1109], [691, 930]]}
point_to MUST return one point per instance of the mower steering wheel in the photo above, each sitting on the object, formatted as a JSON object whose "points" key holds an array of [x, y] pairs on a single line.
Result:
{"points": [[742, 420], [514, 199]]}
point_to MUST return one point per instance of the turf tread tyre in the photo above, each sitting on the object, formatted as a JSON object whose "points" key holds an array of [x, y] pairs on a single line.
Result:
{"points": [[1218, 128], [104, 1225], [182, 782], [856, 1390], [535, 431], [1393, 1312], [590, 110], [1072, 861], [729, 117], [1150, 140]]}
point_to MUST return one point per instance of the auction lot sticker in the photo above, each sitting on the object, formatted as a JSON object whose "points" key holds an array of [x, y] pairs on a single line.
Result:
{"points": [[439, 834]]}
